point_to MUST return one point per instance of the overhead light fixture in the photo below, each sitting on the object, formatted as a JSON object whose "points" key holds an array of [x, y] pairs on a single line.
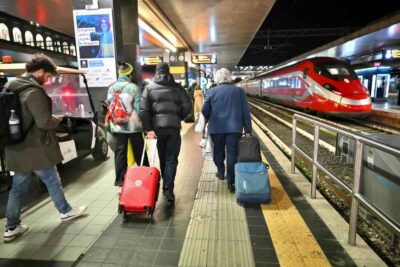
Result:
{"points": [[155, 34]]}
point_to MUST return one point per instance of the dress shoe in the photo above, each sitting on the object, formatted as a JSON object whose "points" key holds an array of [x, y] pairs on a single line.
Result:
{"points": [[231, 187], [220, 176]]}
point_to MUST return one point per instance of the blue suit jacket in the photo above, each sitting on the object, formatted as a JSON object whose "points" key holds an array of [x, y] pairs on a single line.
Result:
{"points": [[226, 109]]}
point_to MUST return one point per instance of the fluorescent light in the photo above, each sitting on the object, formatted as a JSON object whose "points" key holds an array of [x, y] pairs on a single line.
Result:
{"points": [[155, 34]]}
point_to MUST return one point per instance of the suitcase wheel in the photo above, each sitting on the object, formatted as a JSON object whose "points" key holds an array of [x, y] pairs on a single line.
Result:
{"points": [[148, 210], [124, 215], [120, 209]]}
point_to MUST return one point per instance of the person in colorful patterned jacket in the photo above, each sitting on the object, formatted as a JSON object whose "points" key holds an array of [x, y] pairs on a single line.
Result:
{"points": [[127, 95]]}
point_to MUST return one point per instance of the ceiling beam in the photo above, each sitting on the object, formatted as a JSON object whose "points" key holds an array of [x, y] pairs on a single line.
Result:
{"points": [[300, 33]]}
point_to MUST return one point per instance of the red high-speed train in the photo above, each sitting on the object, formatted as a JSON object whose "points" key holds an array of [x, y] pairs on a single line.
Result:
{"points": [[322, 84]]}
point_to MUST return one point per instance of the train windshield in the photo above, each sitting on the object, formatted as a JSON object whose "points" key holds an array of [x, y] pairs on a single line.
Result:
{"points": [[335, 70]]}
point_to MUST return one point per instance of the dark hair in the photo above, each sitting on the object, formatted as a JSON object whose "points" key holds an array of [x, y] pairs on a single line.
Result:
{"points": [[40, 62], [106, 20]]}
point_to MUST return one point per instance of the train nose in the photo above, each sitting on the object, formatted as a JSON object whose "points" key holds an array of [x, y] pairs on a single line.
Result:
{"points": [[355, 104]]}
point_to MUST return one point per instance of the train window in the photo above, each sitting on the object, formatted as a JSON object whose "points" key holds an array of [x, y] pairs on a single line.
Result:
{"points": [[65, 48], [4, 34], [17, 35], [283, 82], [29, 38], [49, 43], [72, 49], [335, 71], [293, 82], [39, 41]]}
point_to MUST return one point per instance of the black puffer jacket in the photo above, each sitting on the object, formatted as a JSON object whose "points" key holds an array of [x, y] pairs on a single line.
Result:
{"points": [[164, 103]]}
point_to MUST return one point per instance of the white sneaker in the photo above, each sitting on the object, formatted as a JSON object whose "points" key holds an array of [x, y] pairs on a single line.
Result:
{"points": [[10, 235], [73, 213]]}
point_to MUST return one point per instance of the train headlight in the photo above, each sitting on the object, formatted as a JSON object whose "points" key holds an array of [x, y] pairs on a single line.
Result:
{"points": [[332, 88]]}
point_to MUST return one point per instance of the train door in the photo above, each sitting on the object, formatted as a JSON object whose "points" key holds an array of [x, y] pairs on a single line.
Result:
{"points": [[380, 89]]}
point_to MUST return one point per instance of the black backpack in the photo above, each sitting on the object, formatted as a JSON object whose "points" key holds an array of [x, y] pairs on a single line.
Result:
{"points": [[10, 101]]}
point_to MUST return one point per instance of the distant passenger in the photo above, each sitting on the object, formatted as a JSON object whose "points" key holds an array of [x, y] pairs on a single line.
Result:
{"points": [[398, 90], [39, 153], [227, 112], [128, 94], [198, 101], [163, 105]]}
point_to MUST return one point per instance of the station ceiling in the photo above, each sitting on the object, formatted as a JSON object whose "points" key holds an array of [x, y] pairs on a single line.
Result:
{"points": [[225, 27]]}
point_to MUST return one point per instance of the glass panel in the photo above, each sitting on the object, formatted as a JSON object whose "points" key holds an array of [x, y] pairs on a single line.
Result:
{"points": [[68, 96], [380, 182]]}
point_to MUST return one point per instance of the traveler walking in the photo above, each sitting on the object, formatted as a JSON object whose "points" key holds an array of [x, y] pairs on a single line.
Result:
{"points": [[123, 121], [198, 101], [164, 104], [39, 152], [227, 112]]}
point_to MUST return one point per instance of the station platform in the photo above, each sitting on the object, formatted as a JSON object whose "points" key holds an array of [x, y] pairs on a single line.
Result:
{"points": [[387, 112], [205, 227]]}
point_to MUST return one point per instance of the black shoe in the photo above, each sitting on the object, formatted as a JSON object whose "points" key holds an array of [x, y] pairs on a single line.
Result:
{"points": [[220, 176], [118, 183], [169, 195], [231, 187]]}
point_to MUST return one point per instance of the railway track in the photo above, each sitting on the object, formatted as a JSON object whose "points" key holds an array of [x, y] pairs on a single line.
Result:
{"points": [[276, 122], [363, 127]]}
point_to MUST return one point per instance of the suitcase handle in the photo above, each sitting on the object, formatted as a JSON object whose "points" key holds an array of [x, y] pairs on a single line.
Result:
{"points": [[144, 151]]}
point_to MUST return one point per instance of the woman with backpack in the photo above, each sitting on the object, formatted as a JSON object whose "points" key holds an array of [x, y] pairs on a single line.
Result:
{"points": [[123, 121]]}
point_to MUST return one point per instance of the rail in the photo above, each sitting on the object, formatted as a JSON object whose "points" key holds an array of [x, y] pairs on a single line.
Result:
{"points": [[356, 197]]}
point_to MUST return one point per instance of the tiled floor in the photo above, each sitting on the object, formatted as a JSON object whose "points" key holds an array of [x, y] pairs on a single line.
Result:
{"points": [[139, 242], [51, 239]]}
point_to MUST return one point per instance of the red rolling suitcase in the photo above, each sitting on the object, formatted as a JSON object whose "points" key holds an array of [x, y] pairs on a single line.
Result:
{"points": [[140, 188]]}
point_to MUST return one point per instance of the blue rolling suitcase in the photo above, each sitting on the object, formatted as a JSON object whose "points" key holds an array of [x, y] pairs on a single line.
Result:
{"points": [[252, 183]]}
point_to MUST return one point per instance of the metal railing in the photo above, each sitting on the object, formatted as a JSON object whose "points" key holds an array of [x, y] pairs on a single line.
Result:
{"points": [[356, 197]]}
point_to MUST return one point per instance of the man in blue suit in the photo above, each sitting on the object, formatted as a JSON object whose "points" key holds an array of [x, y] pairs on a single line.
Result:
{"points": [[227, 112]]}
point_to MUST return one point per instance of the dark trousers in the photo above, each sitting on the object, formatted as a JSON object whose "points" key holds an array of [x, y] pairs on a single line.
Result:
{"points": [[121, 152], [230, 141], [168, 146]]}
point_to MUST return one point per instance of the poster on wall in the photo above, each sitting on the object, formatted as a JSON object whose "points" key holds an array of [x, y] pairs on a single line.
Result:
{"points": [[95, 45]]}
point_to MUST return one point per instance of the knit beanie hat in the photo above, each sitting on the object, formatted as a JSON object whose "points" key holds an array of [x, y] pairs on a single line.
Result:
{"points": [[125, 69]]}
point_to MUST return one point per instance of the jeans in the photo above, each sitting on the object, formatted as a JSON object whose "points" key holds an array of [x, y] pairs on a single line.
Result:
{"points": [[121, 152], [230, 141], [168, 146], [21, 181]]}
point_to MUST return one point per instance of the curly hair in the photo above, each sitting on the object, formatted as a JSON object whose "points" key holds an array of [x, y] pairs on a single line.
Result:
{"points": [[41, 61]]}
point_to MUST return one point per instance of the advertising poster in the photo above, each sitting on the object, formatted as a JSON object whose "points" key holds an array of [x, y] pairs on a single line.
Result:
{"points": [[94, 34]]}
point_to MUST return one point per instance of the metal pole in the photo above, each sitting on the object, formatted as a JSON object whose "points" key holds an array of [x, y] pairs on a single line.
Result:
{"points": [[293, 142], [315, 160], [356, 189]]}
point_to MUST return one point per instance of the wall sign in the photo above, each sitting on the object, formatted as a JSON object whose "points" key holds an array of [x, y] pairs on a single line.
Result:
{"points": [[94, 37], [204, 59]]}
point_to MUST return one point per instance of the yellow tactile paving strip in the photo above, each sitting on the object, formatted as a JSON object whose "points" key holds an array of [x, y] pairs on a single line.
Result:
{"points": [[217, 234], [293, 241]]}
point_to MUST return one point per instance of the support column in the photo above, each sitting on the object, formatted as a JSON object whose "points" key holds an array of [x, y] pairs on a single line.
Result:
{"points": [[127, 35]]}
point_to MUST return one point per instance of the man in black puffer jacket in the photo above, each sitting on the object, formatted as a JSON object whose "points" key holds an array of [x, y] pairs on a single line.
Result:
{"points": [[163, 105]]}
